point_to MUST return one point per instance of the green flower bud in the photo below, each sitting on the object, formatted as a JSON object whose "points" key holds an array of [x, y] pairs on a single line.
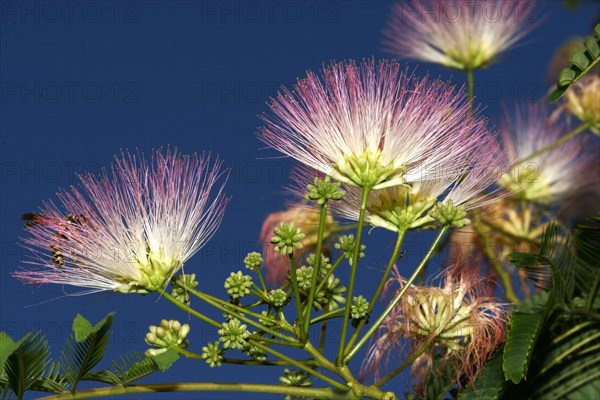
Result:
{"points": [[278, 297], [346, 244], [238, 285], [233, 334], [255, 352], [213, 354], [287, 237], [181, 283], [323, 190], [253, 261], [267, 322], [359, 307], [304, 275], [448, 214], [169, 334], [332, 294], [295, 378]]}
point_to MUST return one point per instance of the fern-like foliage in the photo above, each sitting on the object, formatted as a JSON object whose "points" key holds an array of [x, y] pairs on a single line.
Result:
{"points": [[553, 343], [136, 366], [84, 348], [581, 63], [26, 363]]}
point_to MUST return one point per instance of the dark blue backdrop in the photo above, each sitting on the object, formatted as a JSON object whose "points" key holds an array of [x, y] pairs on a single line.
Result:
{"points": [[81, 80]]}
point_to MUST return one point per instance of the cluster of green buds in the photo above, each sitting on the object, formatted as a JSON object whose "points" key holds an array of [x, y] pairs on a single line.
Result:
{"points": [[331, 294], [169, 334], [255, 352], [346, 244], [325, 263], [323, 190], [181, 284], [233, 334], [359, 307], [449, 214], [295, 377], [212, 353], [253, 261], [238, 285], [304, 275], [287, 237], [278, 298]]}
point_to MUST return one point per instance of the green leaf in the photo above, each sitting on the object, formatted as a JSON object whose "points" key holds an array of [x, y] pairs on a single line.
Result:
{"points": [[579, 60], [27, 363], [522, 335], [591, 44], [582, 63], [490, 383], [84, 348], [136, 366], [523, 259], [7, 346]]}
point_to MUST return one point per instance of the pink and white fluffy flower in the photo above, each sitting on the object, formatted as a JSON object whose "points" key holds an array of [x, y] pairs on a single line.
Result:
{"points": [[456, 320], [409, 206], [461, 34], [130, 232], [370, 125], [564, 173]]}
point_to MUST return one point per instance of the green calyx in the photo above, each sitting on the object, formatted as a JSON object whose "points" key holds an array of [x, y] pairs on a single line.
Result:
{"points": [[369, 170], [287, 237], [169, 334], [323, 190], [154, 274], [450, 215]]}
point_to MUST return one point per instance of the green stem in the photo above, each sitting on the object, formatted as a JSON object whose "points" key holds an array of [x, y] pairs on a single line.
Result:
{"points": [[229, 310], [398, 297], [190, 310], [262, 280], [355, 257], [309, 362], [384, 278], [553, 145], [328, 315], [494, 261], [316, 393], [316, 269], [405, 364], [470, 87], [297, 364], [296, 291], [323, 334], [593, 292], [331, 270]]}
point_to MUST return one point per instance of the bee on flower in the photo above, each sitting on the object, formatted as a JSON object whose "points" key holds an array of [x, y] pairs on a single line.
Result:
{"points": [[142, 223], [460, 34]]}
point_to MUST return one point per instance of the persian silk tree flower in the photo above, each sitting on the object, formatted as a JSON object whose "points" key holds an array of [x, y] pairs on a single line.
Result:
{"points": [[305, 218], [370, 125], [461, 34], [564, 173], [131, 231], [410, 206], [456, 320]]}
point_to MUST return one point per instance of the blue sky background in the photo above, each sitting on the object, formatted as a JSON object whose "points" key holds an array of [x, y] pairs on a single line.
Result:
{"points": [[80, 81]]}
